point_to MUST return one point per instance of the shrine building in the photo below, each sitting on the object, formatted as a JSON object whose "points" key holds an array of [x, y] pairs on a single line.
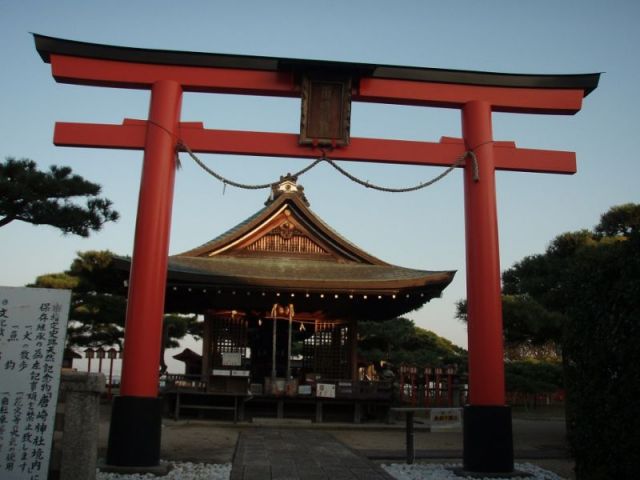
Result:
{"points": [[284, 280]]}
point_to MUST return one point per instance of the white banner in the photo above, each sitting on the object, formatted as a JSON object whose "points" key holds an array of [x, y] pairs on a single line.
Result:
{"points": [[33, 327]]}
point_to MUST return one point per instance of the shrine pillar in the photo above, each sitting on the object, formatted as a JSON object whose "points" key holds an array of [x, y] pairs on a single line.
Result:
{"points": [[134, 436], [488, 442], [207, 349], [353, 349]]}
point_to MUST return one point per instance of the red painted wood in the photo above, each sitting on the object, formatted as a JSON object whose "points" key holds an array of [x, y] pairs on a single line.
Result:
{"points": [[126, 137], [110, 73], [147, 282], [131, 135], [146, 302], [502, 99], [484, 304]]}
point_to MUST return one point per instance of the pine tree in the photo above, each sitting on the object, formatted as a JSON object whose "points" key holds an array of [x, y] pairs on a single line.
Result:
{"points": [[47, 198]]}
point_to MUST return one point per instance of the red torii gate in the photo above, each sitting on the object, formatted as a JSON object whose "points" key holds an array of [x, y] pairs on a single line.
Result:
{"points": [[135, 428]]}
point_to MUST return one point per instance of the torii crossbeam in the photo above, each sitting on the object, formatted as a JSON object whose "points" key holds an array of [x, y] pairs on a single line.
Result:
{"points": [[135, 429]]}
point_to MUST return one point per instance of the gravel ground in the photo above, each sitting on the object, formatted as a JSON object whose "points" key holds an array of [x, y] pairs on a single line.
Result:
{"points": [[180, 471], [201, 471], [402, 471]]}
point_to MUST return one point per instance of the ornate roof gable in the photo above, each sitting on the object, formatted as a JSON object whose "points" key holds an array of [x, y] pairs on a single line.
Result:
{"points": [[286, 227], [287, 237]]}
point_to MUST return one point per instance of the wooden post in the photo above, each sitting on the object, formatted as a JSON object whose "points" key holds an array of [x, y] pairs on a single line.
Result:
{"points": [[207, 337], [273, 352], [353, 344]]}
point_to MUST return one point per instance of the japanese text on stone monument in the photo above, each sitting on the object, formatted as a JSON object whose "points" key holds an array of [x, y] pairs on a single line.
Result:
{"points": [[33, 325]]}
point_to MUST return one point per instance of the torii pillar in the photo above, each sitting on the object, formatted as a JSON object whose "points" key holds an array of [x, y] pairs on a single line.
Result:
{"points": [[487, 420], [134, 438]]}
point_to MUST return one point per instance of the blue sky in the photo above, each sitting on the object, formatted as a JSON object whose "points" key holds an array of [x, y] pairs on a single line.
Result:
{"points": [[422, 230]]}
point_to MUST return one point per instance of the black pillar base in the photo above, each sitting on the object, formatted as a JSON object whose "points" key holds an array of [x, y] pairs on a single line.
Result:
{"points": [[135, 432], [487, 439]]}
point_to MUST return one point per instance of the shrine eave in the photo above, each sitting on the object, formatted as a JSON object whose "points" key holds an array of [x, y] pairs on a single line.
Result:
{"points": [[46, 46], [302, 275], [374, 292]]}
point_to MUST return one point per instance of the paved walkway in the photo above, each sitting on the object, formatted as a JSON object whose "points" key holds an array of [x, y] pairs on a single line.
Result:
{"points": [[291, 454]]}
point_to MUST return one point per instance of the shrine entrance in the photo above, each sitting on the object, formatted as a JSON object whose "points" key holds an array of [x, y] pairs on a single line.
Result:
{"points": [[326, 90]]}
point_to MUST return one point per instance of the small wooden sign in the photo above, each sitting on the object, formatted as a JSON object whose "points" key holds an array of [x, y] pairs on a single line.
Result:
{"points": [[231, 359], [304, 389], [326, 111], [326, 390], [446, 419]]}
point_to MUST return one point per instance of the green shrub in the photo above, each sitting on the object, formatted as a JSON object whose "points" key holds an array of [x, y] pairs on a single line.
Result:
{"points": [[602, 361]]}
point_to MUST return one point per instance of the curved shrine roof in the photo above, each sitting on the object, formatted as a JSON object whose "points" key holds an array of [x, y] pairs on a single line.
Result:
{"points": [[302, 275], [284, 250]]}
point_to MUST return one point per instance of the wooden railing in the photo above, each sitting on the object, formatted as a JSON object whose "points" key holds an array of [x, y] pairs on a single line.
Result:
{"points": [[344, 389], [171, 382]]}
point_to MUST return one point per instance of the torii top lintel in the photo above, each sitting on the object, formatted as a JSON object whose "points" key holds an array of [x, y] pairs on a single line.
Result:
{"points": [[123, 67], [106, 65]]}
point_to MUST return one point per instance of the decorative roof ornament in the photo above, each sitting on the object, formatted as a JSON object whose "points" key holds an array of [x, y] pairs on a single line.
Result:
{"points": [[288, 185]]}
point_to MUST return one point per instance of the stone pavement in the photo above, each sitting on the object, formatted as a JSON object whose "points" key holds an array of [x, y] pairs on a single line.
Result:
{"points": [[293, 454]]}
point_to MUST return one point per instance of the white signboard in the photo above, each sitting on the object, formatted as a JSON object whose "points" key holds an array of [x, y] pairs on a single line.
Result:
{"points": [[446, 419], [33, 326], [326, 390], [231, 359]]}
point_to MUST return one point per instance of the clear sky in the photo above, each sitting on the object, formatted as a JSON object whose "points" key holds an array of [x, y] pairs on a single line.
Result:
{"points": [[423, 230]]}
